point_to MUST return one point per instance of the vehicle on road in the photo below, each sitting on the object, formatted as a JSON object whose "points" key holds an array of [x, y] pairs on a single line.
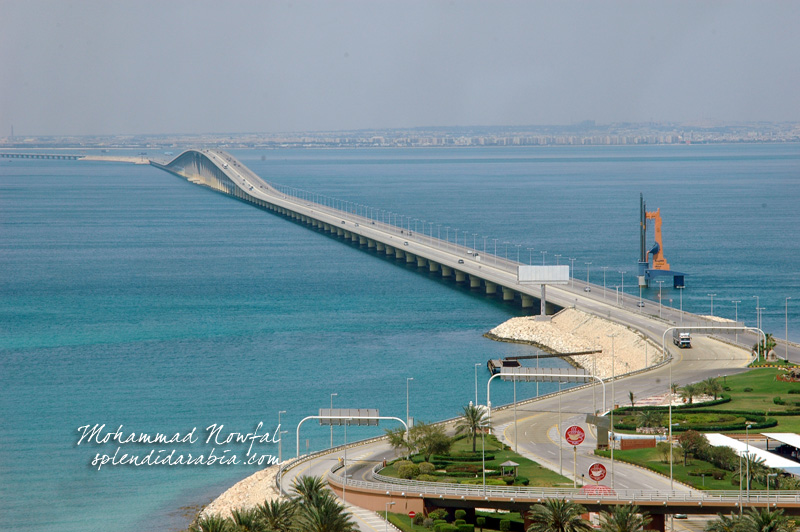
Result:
{"points": [[587, 289], [682, 339]]}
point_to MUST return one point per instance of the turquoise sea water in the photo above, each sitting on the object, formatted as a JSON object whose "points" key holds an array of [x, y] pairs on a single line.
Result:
{"points": [[130, 297]]}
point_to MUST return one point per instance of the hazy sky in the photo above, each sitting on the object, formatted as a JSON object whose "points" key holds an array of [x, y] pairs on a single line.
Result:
{"points": [[189, 66]]}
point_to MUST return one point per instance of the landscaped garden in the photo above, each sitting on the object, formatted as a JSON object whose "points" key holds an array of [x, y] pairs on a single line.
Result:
{"points": [[436, 457], [759, 398]]}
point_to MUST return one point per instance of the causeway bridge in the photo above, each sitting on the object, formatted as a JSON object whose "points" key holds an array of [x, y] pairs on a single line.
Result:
{"points": [[458, 261]]}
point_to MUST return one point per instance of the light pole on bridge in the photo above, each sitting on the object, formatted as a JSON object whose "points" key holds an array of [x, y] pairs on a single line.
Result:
{"points": [[530, 255], [712, 303], [572, 270], [605, 269], [543, 255]]}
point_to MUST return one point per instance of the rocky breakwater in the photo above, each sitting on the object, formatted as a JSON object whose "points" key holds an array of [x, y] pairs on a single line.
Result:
{"points": [[574, 331], [248, 493]]}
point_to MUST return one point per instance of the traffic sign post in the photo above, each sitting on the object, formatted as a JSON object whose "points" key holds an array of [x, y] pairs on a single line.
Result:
{"points": [[574, 436], [597, 472], [412, 514]]}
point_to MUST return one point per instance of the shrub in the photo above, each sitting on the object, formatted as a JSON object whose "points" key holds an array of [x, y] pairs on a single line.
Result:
{"points": [[480, 522], [427, 522], [466, 528], [795, 390], [523, 480], [426, 468], [427, 478], [778, 401], [726, 388], [747, 390], [419, 519], [508, 480], [447, 527], [460, 514], [401, 463], [408, 471], [459, 522], [505, 525], [439, 513]]}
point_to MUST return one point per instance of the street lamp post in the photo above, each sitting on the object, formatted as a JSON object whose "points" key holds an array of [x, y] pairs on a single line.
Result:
{"points": [[543, 254], [557, 256], [518, 246], [747, 459], [483, 457], [605, 268], [332, 395], [280, 449], [506, 243], [786, 356], [623, 286], [712, 303], [572, 270], [736, 318], [530, 255], [770, 475], [758, 323], [560, 443], [408, 380], [386, 518], [660, 284], [587, 272], [613, 403], [476, 383]]}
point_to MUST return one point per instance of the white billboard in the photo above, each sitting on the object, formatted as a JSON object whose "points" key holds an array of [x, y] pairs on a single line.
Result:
{"points": [[543, 274]]}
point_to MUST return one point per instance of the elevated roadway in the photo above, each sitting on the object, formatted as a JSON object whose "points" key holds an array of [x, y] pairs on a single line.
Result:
{"points": [[534, 431]]}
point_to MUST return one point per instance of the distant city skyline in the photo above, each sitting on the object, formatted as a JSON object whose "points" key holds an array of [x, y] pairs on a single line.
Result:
{"points": [[148, 67]]}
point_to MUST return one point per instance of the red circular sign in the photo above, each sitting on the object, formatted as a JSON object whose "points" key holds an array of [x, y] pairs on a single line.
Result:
{"points": [[412, 514], [597, 472], [575, 435]]}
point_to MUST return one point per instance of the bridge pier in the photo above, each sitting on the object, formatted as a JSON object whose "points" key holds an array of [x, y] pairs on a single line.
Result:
{"points": [[508, 294], [527, 301], [491, 288], [398, 253], [474, 282], [433, 266], [410, 258], [370, 243], [460, 276], [446, 271], [354, 237], [389, 250], [362, 240], [380, 246], [421, 261]]}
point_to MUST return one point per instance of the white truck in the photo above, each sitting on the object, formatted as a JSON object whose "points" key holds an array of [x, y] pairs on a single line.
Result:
{"points": [[681, 338]]}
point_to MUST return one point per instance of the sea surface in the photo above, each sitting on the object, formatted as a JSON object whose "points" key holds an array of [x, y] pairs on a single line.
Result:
{"points": [[131, 297]]}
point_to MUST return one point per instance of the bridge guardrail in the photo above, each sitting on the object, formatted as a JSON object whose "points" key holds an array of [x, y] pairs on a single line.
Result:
{"points": [[477, 490]]}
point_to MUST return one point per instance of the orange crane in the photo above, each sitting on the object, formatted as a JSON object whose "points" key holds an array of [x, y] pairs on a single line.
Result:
{"points": [[659, 262]]}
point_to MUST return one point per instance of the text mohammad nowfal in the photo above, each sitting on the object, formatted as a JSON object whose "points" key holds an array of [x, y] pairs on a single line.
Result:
{"points": [[213, 435]]}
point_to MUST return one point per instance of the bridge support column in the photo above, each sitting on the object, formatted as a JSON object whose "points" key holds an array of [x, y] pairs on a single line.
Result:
{"points": [[370, 243], [446, 271], [543, 308], [474, 282], [421, 261], [362, 240], [354, 237], [389, 250], [460, 276], [410, 258], [399, 253], [491, 288], [657, 522], [380, 246], [339, 231], [508, 294], [527, 301], [433, 266]]}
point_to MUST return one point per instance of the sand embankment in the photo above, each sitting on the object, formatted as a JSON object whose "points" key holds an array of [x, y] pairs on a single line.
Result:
{"points": [[573, 330], [248, 493]]}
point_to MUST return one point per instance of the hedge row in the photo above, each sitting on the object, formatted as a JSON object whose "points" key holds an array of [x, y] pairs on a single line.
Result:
{"points": [[769, 422]]}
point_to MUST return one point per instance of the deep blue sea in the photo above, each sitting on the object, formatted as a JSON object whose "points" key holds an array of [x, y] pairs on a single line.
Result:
{"points": [[131, 297]]}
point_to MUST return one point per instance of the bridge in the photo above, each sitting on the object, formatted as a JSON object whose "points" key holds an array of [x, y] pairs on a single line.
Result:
{"points": [[369, 228], [62, 157], [403, 241]]}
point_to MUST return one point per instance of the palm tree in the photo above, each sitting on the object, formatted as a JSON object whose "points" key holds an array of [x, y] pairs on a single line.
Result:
{"points": [[724, 524], [472, 420], [324, 514], [624, 519], [246, 520], [711, 386], [764, 520], [753, 466], [557, 515], [212, 523], [688, 392], [649, 418], [631, 398], [309, 488], [277, 514]]}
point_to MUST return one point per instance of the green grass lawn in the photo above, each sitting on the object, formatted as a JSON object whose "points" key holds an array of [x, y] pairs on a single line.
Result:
{"points": [[403, 522], [651, 459], [538, 475]]}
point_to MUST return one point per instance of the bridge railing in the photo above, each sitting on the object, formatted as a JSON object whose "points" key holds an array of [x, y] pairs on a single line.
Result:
{"points": [[429, 489]]}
